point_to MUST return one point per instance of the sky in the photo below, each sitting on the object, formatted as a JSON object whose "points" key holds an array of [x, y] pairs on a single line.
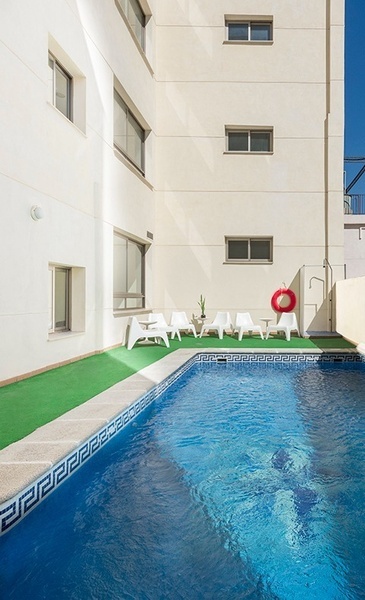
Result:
{"points": [[355, 89]]}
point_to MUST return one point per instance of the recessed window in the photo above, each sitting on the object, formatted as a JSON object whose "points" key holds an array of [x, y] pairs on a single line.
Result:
{"points": [[249, 140], [135, 17], [129, 136], [66, 299], [239, 250], [249, 31], [60, 87], [128, 273], [59, 301]]}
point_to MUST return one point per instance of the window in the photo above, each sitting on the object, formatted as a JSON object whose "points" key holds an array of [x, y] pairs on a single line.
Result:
{"points": [[60, 87], [249, 31], [66, 299], [135, 18], [66, 85], [59, 304], [128, 273], [249, 140], [242, 250], [129, 136]]}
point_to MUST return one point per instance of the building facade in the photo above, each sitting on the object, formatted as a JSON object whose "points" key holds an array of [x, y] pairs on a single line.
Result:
{"points": [[155, 151]]}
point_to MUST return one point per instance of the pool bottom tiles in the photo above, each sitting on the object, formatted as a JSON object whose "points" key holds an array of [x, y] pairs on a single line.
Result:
{"points": [[241, 480]]}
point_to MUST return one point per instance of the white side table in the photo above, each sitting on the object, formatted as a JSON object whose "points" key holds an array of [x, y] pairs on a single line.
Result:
{"points": [[267, 321], [201, 320], [146, 325]]}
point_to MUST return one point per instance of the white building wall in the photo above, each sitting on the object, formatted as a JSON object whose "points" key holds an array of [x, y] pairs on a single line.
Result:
{"points": [[186, 89], [71, 170], [350, 294], [205, 194], [355, 245]]}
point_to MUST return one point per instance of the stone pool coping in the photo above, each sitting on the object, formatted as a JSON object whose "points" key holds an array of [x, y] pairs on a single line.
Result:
{"points": [[25, 461]]}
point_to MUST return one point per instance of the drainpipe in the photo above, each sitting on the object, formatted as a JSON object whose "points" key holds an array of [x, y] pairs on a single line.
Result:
{"points": [[327, 264]]}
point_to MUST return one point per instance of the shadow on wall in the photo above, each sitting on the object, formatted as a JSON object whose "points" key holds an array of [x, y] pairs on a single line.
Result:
{"points": [[350, 314], [311, 307], [317, 297], [284, 300]]}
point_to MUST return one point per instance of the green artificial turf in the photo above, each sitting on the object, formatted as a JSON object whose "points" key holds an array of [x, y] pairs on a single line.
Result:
{"points": [[28, 404]]}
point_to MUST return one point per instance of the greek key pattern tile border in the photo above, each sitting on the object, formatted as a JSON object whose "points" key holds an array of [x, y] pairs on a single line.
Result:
{"points": [[282, 357], [12, 511]]}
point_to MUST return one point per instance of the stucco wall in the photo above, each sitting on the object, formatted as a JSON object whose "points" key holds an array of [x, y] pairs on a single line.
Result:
{"points": [[350, 309], [187, 88], [70, 170], [355, 245], [205, 194]]}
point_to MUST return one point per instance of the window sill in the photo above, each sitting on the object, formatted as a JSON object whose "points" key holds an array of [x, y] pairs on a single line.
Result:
{"points": [[53, 107], [135, 39], [120, 156], [128, 312], [61, 335], [269, 153], [248, 262], [248, 42]]}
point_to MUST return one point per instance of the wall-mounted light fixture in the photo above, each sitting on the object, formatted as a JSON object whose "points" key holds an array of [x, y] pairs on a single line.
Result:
{"points": [[36, 212]]}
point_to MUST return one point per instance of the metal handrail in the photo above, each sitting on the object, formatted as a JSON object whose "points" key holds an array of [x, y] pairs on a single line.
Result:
{"points": [[354, 204]]}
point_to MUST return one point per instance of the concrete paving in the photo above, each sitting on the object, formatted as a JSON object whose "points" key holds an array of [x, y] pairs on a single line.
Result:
{"points": [[24, 461]]}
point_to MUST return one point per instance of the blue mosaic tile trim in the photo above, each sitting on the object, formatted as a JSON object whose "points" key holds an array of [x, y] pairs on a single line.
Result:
{"points": [[12, 511], [15, 509]]}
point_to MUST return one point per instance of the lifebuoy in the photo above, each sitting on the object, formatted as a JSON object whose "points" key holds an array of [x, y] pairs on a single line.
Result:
{"points": [[283, 292]]}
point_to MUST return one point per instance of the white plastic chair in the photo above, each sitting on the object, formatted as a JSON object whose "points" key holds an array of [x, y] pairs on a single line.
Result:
{"points": [[180, 321], [287, 323], [136, 332], [221, 323], [161, 324], [244, 323]]}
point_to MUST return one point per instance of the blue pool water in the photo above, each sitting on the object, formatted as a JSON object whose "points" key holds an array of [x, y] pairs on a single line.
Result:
{"points": [[239, 482]]}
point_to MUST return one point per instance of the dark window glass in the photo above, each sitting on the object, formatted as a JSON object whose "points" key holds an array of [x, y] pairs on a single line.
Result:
{"points": [[260, 249], [60, 87], [135, 17], [249, 141], [249, 249], [260, 141], [129, 136], [261, 31], [61, 299], [238, 31], [128, 270], [238, 249], [238, 141]]}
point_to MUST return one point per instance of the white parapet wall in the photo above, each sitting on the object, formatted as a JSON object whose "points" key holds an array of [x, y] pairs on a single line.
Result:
{"points": [[350, 313]]}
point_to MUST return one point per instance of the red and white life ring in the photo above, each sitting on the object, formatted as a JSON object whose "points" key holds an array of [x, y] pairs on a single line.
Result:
{"points": [[276, 299]]}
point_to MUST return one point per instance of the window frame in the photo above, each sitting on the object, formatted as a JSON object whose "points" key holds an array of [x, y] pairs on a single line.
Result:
{"points": [[52, 327], [140, 40], [130, 119], [249, 130], [250, 22], [249, 260], [76, 301], [57, 66], [121, 295]]}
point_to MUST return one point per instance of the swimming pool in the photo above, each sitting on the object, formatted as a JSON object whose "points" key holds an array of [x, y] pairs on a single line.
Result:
{"points": [[240, 481]]}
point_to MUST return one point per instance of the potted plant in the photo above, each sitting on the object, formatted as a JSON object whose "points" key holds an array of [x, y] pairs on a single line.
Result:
{"points": [[201, 303]]}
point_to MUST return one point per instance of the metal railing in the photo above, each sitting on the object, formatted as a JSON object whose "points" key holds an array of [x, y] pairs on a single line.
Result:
{"points": [[354, 204]]}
